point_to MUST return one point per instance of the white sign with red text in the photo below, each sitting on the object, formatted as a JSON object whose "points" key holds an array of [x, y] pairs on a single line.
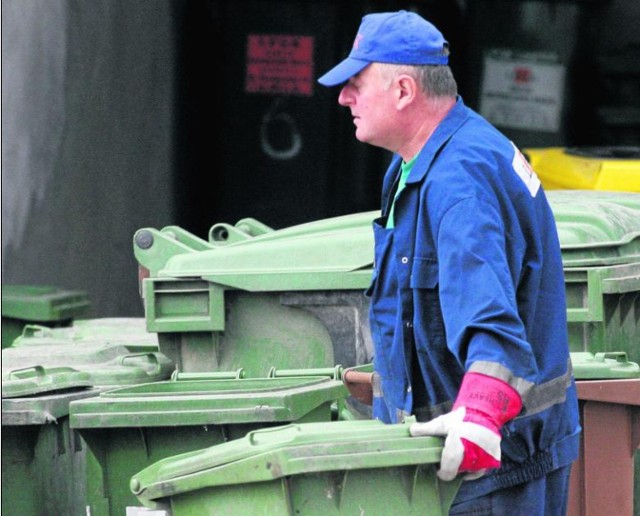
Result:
{"points": [[522, 90]]}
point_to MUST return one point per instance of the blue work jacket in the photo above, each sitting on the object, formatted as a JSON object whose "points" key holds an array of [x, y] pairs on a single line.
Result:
{"points": [[470, 279]]}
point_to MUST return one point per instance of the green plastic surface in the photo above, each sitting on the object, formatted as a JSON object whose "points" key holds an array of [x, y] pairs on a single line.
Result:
{"points": [[111, 352], [596, 227], [202, 331], [30, 381], [603, 308], [42, 303], [354, 467], [31, 304], [330, 260], [42, 460], [603, 366], [129, 331], [199, 402], [43, 409], [130, 428], [319, 254]]}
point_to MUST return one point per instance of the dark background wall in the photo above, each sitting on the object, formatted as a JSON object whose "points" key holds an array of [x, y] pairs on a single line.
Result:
{"points": [[120, 114], [87, 142]]}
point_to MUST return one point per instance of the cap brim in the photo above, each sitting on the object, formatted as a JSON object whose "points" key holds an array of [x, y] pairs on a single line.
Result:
{"points": [[343, 71]]}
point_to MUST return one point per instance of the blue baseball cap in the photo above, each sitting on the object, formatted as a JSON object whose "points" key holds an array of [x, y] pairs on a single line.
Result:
{"points": [[400, 37]]}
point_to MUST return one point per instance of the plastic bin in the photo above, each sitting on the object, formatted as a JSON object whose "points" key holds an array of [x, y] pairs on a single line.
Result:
{"points": [[252, 297], [603, 476], [28, 304], [352, 467], [43, 460], [41, 457], [128, 429], [600, 238], [613, 168]]}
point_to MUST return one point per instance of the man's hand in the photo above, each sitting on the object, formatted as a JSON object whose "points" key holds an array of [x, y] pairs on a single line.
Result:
{"points": [[472, 428]]}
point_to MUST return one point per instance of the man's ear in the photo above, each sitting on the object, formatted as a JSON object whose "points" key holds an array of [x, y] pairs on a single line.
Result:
{"points": [[406, 89]]}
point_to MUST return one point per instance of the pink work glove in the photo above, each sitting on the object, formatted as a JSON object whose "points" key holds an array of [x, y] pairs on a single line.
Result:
{"points": [[472, 428]]}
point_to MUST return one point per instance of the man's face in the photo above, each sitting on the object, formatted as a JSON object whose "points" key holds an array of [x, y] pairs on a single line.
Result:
{"points": [[371, 106]]}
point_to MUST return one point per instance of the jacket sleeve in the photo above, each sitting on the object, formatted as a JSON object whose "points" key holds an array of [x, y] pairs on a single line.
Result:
{"points": [[479, 267]]}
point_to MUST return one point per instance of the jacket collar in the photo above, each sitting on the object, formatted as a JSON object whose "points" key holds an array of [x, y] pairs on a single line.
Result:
{"points": [[449, 125]]}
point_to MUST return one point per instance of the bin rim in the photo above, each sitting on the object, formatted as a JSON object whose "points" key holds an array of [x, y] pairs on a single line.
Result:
{"points": [[192, 404], [268, 454]]}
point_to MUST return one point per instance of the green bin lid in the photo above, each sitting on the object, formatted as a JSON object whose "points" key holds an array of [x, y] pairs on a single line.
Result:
{"points": [[129, 331], [111, 359], [597, 227], [42, 303], [179, 403], [603, 366], [268, 454], [43, 409], [335, 253], [30, 381]]}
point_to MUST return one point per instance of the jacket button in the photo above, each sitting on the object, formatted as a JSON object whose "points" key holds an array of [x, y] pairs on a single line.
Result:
{"points": [[404, 259], [409, 324]]}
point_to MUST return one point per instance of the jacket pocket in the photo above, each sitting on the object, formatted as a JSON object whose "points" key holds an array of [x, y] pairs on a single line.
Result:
{"points": [[424, 273]]}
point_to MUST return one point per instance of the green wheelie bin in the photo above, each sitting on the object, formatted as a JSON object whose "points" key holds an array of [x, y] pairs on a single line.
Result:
{"points": [[342, 467], [128, 429], [44, 461]]}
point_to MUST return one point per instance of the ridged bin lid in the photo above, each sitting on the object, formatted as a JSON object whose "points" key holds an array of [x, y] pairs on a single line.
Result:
{"points": [[336, 251], [30, 381], [268, 454], [110, 352], [596, 227]]}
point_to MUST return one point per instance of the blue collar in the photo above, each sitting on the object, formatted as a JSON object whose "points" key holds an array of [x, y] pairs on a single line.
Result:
{"points": [[449, 125]]}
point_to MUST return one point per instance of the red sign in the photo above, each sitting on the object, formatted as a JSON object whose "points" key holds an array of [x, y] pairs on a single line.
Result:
{"points": [[280, 64]]}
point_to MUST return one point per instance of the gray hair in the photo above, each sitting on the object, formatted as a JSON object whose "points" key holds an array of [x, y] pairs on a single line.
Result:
{"points": [[435, 80]]}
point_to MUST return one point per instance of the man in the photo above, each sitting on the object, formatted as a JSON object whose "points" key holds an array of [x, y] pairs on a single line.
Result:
{"points": [[467, 300]]}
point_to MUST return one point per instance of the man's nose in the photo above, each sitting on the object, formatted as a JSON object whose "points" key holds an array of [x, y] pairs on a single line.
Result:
{"points": [[345, 98]]}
